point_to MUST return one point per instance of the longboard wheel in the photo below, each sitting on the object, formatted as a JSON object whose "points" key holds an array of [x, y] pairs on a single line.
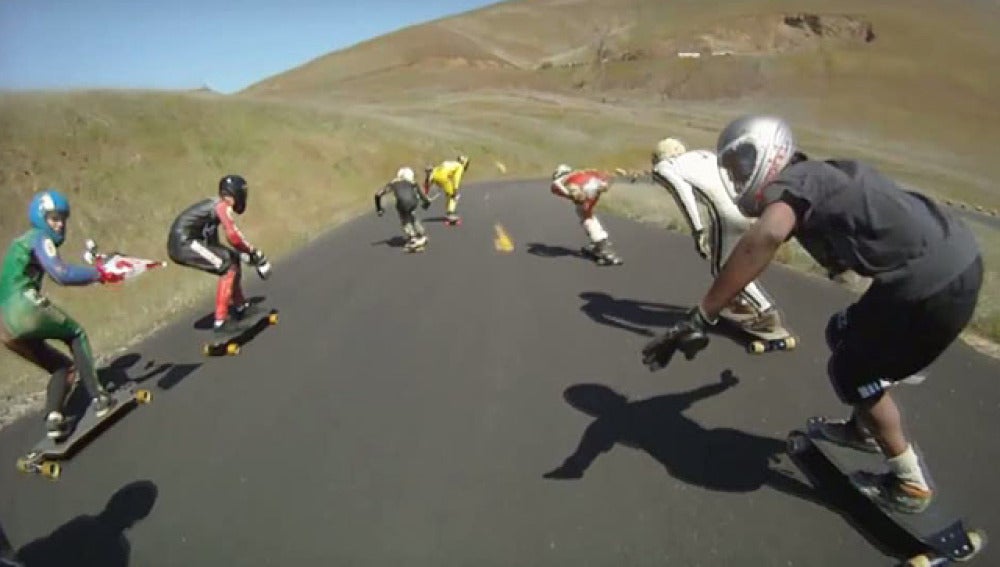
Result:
{"points": [[918, 561], [790, 343], [757, 347], [49, 469], [143, 396], [206, 350], [25, 465], [272, 319], [977, 538], [232, 349]]}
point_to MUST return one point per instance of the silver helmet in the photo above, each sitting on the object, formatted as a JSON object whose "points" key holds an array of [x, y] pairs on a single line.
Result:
{"points": [[752, 151]]}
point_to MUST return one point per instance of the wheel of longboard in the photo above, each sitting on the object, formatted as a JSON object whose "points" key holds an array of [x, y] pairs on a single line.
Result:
{"points": [[791, 343], [49, 469], [25, 465], [757, 347], [232, 349], [272, 319], [143, 396], [977, 538], [206, 350]]}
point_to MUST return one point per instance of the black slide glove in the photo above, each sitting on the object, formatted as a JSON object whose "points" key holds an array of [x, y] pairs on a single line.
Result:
{"points": [[688, 334]]}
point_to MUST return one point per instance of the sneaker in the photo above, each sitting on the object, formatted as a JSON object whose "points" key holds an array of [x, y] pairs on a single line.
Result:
{"points": [[888, 491], [103, 404], [738, 310], [55, 425], [767, 325], [240, 309], [846, 433]]}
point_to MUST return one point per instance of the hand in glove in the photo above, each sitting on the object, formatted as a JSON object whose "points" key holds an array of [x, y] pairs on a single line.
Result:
{"points": [[701, 244], [106, 276], [257, 258], [688, 334]]}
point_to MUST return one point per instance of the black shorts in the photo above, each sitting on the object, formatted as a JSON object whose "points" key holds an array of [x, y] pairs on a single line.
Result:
{"points": [[880, 338], [212, 258]]}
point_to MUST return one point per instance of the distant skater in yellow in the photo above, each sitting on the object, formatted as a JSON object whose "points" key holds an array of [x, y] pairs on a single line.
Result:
{"points": [[448, 177]]}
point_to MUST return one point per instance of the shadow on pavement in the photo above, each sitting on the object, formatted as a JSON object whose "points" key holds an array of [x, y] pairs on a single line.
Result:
{"points": [[116, 373], [549, 251], [640, 316], [720, 459], [95, 540], [394, 242]]}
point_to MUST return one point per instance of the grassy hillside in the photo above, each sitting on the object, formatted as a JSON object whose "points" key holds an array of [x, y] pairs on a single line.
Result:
{"points": [[129, 161], [918, 94], [526, 83]]}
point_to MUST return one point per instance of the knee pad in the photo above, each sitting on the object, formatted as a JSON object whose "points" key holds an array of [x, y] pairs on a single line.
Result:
{"points": [[835, 329], [851, 388]]}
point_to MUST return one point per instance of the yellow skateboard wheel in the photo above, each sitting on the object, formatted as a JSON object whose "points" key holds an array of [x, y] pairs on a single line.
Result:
{"points": [[232, 349], [49, 469]]}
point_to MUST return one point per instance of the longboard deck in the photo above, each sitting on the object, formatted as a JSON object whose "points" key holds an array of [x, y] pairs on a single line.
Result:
{"points": [[598, 259], [759, 344], [243, 330], [41, 459], [938, 528]]}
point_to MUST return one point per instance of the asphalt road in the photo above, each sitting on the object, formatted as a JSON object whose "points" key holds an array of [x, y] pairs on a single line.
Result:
{"points": [[413, 409]]}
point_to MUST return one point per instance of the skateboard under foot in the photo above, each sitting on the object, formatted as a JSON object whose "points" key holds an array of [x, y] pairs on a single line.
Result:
{"points": [[759, 344], [242, 331], [938, 529], [601, 260], [43, 457]]}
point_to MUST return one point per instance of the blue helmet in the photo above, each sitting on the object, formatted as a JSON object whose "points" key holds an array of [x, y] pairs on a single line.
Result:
{"points": [[45, 202]]}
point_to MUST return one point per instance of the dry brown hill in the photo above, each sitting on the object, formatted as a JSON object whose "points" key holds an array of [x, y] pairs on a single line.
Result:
{"points": [[917, 76]]}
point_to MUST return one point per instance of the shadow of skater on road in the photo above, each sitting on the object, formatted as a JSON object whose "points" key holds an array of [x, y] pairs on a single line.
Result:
{"points": [[95, 540], [393, 242], [116, 373], [719, 459], [547, 251], [628, 314], [637, 316]]}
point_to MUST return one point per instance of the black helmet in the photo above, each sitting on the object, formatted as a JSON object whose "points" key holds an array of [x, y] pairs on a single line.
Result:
{"points": [[236, 187]]}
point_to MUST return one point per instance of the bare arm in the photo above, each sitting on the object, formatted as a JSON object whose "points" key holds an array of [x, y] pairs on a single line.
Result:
{"points": [[752, 254]]}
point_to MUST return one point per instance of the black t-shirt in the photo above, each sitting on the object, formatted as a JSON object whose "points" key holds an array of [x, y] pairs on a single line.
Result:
{"points": [[850, 216]]}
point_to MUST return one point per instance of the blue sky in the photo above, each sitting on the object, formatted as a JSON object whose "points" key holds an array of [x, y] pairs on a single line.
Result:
{"points": [[181, 44]]}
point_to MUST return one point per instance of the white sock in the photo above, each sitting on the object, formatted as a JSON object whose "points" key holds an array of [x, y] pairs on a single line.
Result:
{"points": [[907, 468]]}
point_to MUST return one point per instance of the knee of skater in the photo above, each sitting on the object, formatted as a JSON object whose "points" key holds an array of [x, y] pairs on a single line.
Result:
{"points": [[850, 387], [835, 327]]}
